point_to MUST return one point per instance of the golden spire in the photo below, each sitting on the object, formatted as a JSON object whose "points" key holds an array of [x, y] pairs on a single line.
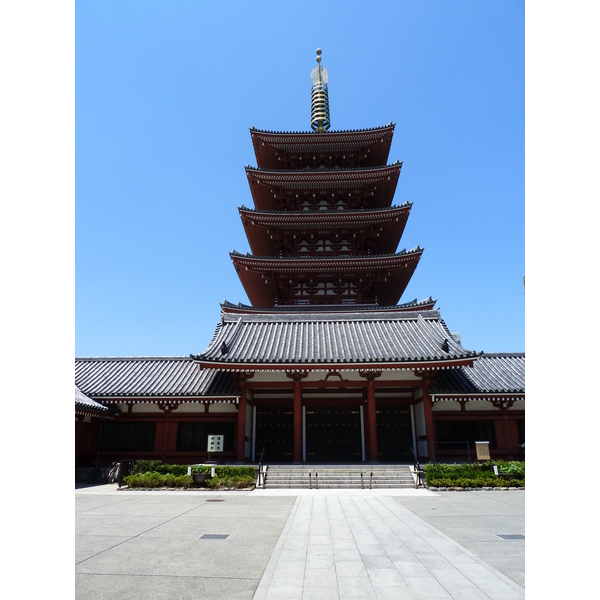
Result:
{"points": [[319, 106]]}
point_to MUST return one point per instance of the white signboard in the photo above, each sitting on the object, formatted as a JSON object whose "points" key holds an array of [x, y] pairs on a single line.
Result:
{"points": [[215, 443]]}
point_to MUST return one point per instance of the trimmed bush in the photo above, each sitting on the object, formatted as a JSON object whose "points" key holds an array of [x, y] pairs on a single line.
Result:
{"points": [[157, 466], [154, 479], [465, 475], [175, 476], [217, 483]]}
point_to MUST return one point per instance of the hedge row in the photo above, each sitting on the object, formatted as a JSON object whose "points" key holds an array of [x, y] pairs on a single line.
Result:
{"points": [[153, 479], [465, 475], [156, 474]]}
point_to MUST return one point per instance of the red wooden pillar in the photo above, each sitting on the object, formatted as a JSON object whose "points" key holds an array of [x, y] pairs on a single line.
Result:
{"points": [[429, 423], [507, 436], [372, 455], [241, 425], [371, 409], [241, 380], [512, 438], [297, 420], [168, 433], [366, 426], [297, 377]]}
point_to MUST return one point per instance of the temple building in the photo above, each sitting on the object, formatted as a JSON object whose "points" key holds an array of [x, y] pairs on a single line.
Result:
{"points": [[326, 363]]}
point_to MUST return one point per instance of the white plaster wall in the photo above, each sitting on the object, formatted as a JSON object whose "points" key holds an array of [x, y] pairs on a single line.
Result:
{"points": [[479, 405], [446, 406], [222, 408]]}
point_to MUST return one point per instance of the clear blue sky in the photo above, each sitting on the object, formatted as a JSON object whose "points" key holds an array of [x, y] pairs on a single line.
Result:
{"points": [[167, 91]]}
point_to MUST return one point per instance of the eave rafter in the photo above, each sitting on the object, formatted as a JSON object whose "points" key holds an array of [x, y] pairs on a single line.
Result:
{"points": [[367, 367], [323, 188], [285, 150]]}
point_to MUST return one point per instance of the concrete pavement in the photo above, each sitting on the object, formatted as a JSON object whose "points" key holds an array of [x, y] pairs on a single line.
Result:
{"points": [[298, 544]]}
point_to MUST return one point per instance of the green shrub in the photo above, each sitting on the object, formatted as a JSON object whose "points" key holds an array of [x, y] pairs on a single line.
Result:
{"points": [[200, 469], [184, 481], [238, 482], [154, 473], [157, 466], [465, 475], [133, 481], [514, 467], [157, 480]]}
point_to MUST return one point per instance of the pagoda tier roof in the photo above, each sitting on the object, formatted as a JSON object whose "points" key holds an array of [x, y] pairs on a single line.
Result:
{"points": [[493, 376], [392, 340], [276, 190], [121, 378], [364, 147], [377, 279], [378, 229], [415, 304]]}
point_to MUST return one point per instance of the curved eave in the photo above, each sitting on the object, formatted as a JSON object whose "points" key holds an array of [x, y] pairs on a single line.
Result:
{"points": [[272, 189], [311, 264], [260, 276], [413, 365], [174, 400], [371, 146], [91, 412], [334, 218], [266, 231], [244, 309], [335, 175], [331, 133], [479, 396]]}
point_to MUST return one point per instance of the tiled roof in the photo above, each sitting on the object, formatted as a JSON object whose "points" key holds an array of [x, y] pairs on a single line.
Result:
{"points": [[83, 403], [330, 211], [149, 377], [330, 308], [490, 374], [320, 171], [328, 258], [394, 337], [332, 131]]}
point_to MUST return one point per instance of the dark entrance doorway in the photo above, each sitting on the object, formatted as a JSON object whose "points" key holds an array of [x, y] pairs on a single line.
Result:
{"points": [[394, 433], [275, 433], [333, 434]]}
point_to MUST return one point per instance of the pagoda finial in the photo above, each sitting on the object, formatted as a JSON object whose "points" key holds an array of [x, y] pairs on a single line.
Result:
{"points": [[319, 106]]}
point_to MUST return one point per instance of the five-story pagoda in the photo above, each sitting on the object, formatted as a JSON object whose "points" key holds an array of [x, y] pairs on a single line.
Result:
{"points": [[324, 365], [323, 230], [329, 366]]}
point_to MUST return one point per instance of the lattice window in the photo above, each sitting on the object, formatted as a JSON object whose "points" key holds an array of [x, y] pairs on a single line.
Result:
{"points": [[128, 436]]}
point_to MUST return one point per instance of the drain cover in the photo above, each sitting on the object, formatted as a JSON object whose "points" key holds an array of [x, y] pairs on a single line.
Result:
{"points": [[511, 536], [214, 536], [215, 500]]}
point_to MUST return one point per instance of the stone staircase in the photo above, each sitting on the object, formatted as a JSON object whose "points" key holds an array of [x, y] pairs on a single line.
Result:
{"points": [[338, 476]]}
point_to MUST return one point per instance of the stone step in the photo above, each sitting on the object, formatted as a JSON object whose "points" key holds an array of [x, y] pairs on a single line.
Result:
{"points": [[339, 486], [338, 477]]}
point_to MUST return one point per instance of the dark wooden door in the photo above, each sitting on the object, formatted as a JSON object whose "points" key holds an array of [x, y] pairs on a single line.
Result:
{"points": [[333, 434], [394, 433], [275, 433]]}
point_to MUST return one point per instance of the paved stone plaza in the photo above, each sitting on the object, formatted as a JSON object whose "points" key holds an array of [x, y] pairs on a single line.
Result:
{"points": [[300, 544]]}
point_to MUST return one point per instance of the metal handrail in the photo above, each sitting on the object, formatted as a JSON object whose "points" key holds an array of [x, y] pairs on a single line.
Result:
{"points": [[262, 472], [416, 468], [416, 464]]}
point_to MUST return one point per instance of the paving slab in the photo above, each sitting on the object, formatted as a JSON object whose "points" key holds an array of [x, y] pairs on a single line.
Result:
{"points": [[383, 533], [288, 544]]}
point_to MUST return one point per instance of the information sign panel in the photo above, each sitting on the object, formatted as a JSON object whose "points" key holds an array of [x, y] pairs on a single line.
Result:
{"points": [[483, 450], [215, 443]]}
